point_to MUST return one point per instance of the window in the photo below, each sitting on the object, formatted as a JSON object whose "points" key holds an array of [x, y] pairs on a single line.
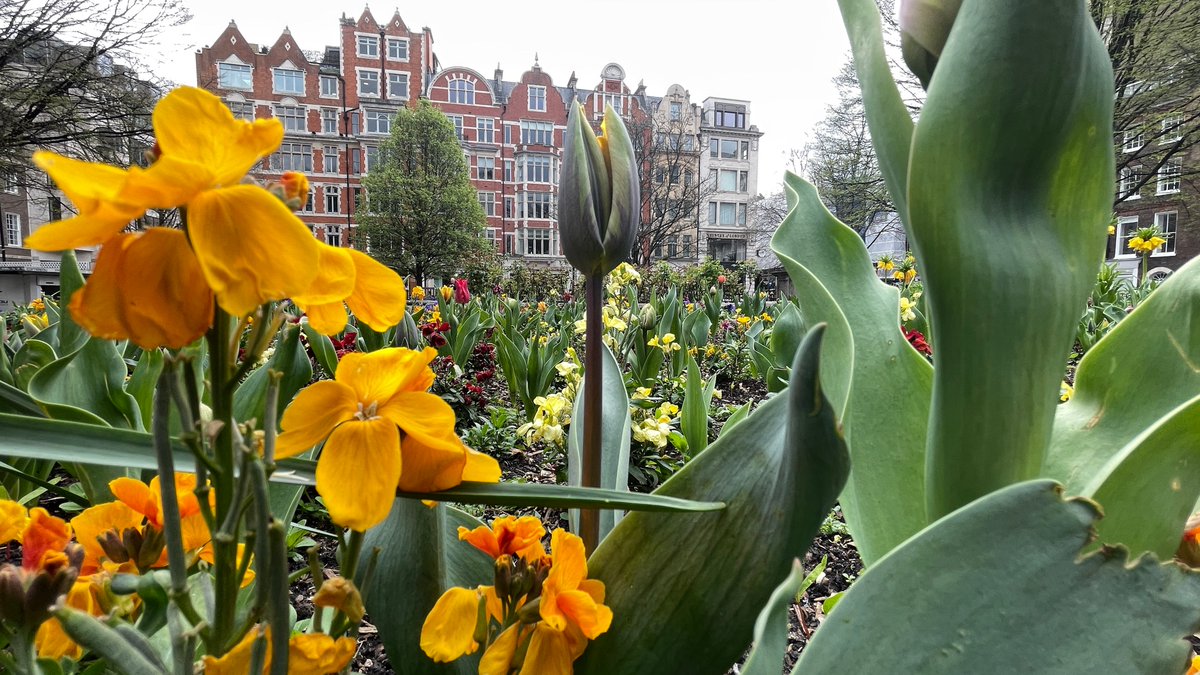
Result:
{"points": [[356, 159], [485, 130], [234, 76], [354, 123], [508, 134], [743, 181], [289, 81], [536, 205], [330, 160], [368, 83], [725, 149], [292, 117], [486, 168], [488, 201], [1134, 140], [1126, 228], [379, 122], [1172, 129], [712, 213], [687, 245], [333, 235], [534, 169], [1168, 176], [676, 110], [729, 118], [358, 195], [242, 110], [745, 149], [462, 91], [1166, 224], [368, 45], [292, 157], [537, 133], [397, 49], [537, 98], [687, 178], [728, 213], [672, 247], [308, 204], [329, 123], [12, 229], [329, 86], [372, 156], [457, 121], [728, 181], [508, 170], [333, 199], [741, 214], [537, 241], [398, 85], [1129, 179], [54, 206], [617, 101], [509, 207], [660, 175]]}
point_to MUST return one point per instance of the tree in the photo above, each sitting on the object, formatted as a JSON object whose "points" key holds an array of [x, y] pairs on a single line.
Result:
{"points": [[422, 215], [840, 160], [672, 190], [1155, 50], [67, 78]]}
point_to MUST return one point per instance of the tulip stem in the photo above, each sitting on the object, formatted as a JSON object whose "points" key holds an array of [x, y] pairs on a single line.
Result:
{"points": [[589, 519]]}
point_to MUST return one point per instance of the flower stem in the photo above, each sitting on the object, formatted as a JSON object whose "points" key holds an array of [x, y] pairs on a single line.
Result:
{"points": [[589, 519], [224, 547]]}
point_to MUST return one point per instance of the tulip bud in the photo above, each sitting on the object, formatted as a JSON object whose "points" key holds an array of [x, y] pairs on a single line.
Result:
{"points": [[924, 27], [461, 294], [511, 303], [447, 293], [599, 195], [647, 318]]}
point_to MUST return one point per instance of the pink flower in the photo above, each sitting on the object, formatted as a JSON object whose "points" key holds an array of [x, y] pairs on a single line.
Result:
{"points": [[720, 278], [461, 295]]}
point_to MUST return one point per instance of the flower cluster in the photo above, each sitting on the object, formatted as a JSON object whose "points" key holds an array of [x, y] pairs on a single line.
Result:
{"points": [[435, 331], [553, 414], [667, 343], [656, 428], [538, 615], [1146, 241]]}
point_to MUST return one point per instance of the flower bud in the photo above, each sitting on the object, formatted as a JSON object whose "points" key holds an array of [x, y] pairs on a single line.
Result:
{"points": [[447, 293], [647, 318], [511, 303], [924, 27], [341, 594], [461, 294], [599, 196]]}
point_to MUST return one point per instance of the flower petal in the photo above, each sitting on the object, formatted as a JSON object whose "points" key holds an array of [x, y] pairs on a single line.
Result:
{"points": [[582, 609], [147, 288], [449, 629], [52, 642], [335, 279], [193, 124], [137, 495], [318, 654], [378, 299], [358, 471], [497, 660], [13, 519], [378, 376], [328, 319], [93, 522], [312, 416], [482, 468], [549, 653], [423, 416], [251, 247], [44, 534], [430, 468], [169, 182], [93, 189]]}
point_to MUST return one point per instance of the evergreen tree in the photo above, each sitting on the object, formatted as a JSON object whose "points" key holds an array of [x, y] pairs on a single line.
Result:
{"points": [[422, 215]]}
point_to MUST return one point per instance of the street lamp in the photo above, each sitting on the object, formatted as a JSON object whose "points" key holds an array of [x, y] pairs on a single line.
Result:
{"points": [[327, 69]]}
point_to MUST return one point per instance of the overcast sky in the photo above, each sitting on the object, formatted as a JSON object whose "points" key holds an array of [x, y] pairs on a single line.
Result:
{"points": [[778, 54]]}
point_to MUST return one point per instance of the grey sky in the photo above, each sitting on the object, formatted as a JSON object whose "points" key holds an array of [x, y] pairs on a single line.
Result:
{"points": [[779, 55]]}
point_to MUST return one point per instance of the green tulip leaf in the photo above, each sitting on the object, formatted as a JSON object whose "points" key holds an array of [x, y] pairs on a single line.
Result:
{"points": [[771, 627], [1004, 590], [290, 358], [685, 589], [71, 336], [420, 556], [868, 367], [1009, 197], [693, 419], [615, 429], [33, 355], [92, 379], [322, 348]]}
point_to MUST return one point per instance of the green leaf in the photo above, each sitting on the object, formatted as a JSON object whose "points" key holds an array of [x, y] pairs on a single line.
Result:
{"points": [[89, 444], [1150, 488], [887, 117], [1008, 201], [142, 382], [29, 359], [867, 367], [16, 401], [771, 627], [615, 431], [685, 589], [420, 556], [1145, 367], [739, 413], [90, 379], [786, 334], [107, 642], [322, 348], [71, 336], [693, 419], [1003, 590], [250, 400]]}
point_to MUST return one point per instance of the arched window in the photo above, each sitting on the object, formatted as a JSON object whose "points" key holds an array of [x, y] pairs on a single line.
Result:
{"points": [[462, 91]]}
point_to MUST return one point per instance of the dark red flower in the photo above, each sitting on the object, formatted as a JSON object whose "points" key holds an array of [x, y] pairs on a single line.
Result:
{"points": [[436, 340], [917, 340]]}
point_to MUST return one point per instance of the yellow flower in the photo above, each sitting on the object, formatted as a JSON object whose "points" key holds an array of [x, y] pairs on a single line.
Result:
{"points": [[521, 537], [1112, 229], [767, 318], [447, 293], [907, 309], [541, 306], [13, 520], [885, 263], [245, 244], [51, 641], [449, 628], [743, 320], [372, 291], [38, 305], [341, 594], [641, 393], [360, 416], [308, 654], [569, 598], [1065, 392], [94, 522], [652, 342], [147, 499], [909, 275], [417, 293]]}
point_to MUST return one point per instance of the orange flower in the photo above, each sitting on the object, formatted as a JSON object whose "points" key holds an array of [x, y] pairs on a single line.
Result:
{"points": [[372, 291], [44, 540], [508, 536]]}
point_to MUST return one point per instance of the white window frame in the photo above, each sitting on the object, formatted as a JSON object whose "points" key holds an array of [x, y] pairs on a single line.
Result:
{"points": [[249, 76], [381, 120], [326, 79], [1172, 129], [12, 230], [396, 41], [1133, 140], [1127, 179], [460, 128], [327, 154], [1170, 176], [1125, 225], [333, 235], [295, 152], [544, 235], [334, 192], [242, 110], [403, 93], [1168, 235], [537, 95], [303, 117], [460, 91], [370, 75], [485, 130], [538, 131], [329, 115], [275, 72], [369, 40], [527, 205], [487, 201], [479, 164]]}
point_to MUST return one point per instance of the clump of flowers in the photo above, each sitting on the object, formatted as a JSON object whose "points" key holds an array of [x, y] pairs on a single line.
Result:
{"points": [[536, 617], [553, 414], [667, 343], [1146, 241], [906, 270], [885, 263], [622, 276], [656, 427], [917, 339]]}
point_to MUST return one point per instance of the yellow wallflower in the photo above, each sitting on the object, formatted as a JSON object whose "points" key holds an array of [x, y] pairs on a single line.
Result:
{"points": [[308, 654], [372, 291], [242, 243], [520, 537], [359, 415], [743, 321], [767, 318], [417, 293], [1065, 392], [907, 309]]}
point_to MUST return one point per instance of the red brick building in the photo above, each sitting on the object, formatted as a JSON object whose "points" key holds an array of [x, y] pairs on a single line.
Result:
{"points": [[337, 105]]}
